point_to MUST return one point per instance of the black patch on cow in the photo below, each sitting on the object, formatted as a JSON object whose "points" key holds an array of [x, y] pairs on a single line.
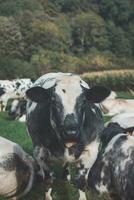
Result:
{"points": [[2, 91], [108, 133], [64, 91], [12, 162], [17, 85]]}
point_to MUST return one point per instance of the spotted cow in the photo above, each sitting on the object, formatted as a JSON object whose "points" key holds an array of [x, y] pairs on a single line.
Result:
{"points": [[14, 89], [125, 120], [64, 122], [113, 170], [17, 110], [17, 170]]}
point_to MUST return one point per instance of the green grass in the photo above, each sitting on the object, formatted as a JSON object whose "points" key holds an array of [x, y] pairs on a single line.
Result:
{"points": [[16, 131], [125, 95]]}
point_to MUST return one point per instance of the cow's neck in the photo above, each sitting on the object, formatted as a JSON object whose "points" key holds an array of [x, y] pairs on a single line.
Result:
{"points": [[93, 124]]}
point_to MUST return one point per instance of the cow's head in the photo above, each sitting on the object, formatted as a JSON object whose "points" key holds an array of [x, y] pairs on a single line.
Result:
{"points": [[18, 108], [68, 98]]}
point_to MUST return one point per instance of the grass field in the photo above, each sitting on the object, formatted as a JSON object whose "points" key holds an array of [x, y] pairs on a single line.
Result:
{"points": [[16, 131]]}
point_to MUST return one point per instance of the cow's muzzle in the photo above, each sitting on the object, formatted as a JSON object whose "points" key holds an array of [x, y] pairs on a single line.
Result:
{"points": [[70, 137]]}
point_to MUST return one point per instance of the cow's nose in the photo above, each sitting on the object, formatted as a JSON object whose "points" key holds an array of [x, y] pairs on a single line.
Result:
{"points": [[70, 123], [71, 126]]}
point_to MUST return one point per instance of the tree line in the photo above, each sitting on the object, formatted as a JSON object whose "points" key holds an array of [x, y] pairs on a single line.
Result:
{"points": [[37, 36]]}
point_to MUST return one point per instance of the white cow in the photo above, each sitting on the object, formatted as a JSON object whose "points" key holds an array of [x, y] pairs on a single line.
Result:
{"points": [[14, 89], [112, 105], [16, 170]]}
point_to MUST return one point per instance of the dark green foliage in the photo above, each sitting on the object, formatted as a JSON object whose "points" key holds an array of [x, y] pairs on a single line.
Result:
{"points": [[13, 7], [38, 36]]}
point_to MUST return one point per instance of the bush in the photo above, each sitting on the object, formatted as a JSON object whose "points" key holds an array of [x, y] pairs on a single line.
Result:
{"points": [[114, 79]]}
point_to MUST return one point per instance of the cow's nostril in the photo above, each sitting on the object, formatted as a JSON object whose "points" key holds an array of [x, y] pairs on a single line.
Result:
{"points": [[73, 133]]}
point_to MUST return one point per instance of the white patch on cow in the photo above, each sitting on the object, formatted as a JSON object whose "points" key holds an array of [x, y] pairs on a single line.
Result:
{"points": [[48, 194], [48, 80], [9, 180], [115, 106], [82, 195], [112, 142], [102, 174], [117, 170], [68, 157], [6, 178], [126, 146], [125, 120], [31, 107], [101, 187], [72, 89], [124, 162], [84, 84], [14, 105], [112, 95], [22, 119], [89, 155], [69, 177], [82, 172], [93, 110], [6, 146]]}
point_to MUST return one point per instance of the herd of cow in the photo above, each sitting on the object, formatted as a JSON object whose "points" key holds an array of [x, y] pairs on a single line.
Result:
{"points": [[64, 119]]}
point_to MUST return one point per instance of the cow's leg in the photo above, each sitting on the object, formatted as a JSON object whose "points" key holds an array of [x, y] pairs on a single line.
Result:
{"points": [[48, 194], [3, 106], [66, 172], [42, 156], [83, 165]]}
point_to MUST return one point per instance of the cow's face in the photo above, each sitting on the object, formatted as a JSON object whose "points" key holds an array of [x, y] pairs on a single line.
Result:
{"points": [[68, 104], [13, 109], [67, 108], [18, 108]]}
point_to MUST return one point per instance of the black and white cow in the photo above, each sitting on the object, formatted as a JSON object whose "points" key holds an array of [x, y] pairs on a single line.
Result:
{"points": [[64, 122], [113, 170], [14, 89], [125, 120], [17, 110], [17, 170]]}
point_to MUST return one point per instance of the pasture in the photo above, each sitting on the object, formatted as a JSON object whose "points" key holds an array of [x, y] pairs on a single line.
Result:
{"points": [[16, 131]]}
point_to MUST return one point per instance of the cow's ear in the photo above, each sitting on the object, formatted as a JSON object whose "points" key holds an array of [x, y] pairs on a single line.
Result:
{"points": [[38, 94], [97, 94]]}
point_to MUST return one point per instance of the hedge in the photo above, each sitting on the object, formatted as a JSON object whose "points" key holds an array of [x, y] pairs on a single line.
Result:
{"points": [[114, 79]]}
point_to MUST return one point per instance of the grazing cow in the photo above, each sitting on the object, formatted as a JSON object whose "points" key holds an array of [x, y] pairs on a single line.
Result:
{"points": [[113, 170], [18, 110], [64, 122], [115, 106], [14, 89], [17, 170]]}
